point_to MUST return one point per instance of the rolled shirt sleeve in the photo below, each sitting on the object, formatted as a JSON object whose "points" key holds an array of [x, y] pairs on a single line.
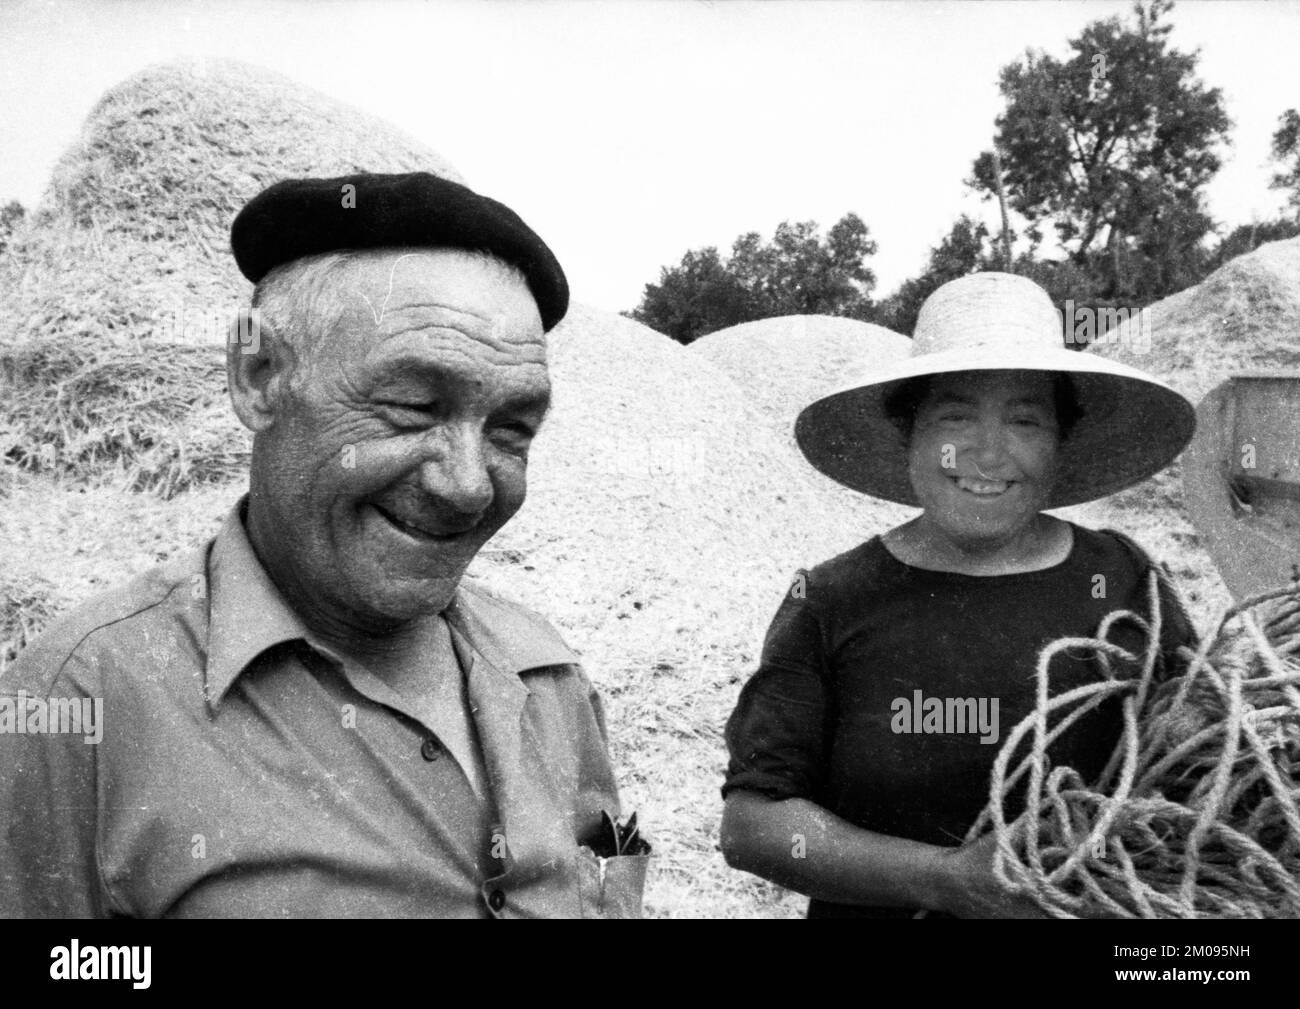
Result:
{"points": [[776, 735]]}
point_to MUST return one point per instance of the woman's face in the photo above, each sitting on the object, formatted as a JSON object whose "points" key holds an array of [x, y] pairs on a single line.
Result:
{"points": [[982, 455]]}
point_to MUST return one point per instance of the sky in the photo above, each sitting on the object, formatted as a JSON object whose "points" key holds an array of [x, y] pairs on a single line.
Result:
{"points": [[628, 132]]}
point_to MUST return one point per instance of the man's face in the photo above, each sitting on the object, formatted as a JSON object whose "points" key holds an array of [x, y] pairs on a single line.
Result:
{"points": [[982, 456], [403, 445]]}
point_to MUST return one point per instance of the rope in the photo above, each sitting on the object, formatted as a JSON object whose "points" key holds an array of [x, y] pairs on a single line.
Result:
{"points": [[1197, 811]]}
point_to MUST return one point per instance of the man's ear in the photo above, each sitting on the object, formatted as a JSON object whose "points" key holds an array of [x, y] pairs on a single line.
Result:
{"points": [[258, 366]]}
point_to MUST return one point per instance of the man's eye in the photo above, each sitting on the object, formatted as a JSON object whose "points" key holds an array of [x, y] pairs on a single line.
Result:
{"points": [[1027, 421], [517, 430], [408, 414]]}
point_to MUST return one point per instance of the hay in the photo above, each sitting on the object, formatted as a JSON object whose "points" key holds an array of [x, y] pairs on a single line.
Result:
{"points": [[114, 299], [62, 541], [150, 415], [652, 484], [25, 606], [784, 364], [1197, 814], [1244, 315]]}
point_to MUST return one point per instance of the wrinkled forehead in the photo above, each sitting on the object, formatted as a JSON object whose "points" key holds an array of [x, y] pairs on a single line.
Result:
{"points": [[468, 314]]}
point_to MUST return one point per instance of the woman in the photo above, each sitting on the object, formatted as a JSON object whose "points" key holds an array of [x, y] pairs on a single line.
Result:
{"points": [[861, 748]]}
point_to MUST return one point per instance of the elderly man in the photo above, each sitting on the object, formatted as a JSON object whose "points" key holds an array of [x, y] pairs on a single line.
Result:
{"points": [[314, 714]]}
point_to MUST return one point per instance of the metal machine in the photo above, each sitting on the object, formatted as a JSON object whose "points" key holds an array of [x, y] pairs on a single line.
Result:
{"points": [[1241, 475]]}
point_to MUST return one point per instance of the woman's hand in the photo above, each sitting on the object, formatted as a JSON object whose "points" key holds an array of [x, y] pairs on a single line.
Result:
{"points": [[970, 888]]}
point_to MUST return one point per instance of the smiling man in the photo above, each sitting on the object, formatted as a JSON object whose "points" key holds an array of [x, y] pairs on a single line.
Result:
{"points": [[315, 714]]}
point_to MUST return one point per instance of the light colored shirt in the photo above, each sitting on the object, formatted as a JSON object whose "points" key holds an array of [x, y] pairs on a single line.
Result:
{"points": [[243, 769]]}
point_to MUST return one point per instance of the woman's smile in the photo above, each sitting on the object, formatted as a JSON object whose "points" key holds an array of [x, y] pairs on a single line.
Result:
{"points": [[983, 488]]}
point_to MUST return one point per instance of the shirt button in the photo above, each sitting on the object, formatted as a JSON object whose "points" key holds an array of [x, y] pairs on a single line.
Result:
{"points": [[430, 750], [497, 900]]}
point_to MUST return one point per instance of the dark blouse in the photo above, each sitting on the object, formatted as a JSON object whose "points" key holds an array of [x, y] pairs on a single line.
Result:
{"points": [[885, 691]]}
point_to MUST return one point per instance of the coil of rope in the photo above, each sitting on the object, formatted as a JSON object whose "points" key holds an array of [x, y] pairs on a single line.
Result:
{"points": [[1197, 812]]}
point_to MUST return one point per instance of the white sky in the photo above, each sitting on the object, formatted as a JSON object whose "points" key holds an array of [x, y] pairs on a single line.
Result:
{"points": [[629, 132]]}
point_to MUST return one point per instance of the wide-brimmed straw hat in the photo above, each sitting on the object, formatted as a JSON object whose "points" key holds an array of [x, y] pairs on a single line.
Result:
{"points": [[1132, 424]]}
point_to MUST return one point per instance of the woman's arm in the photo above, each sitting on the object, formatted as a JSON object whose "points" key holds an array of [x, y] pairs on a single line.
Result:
{"points": [[803, 847]]}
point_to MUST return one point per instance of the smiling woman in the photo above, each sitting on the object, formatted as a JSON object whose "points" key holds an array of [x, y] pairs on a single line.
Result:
{"points": [[989, 423]]}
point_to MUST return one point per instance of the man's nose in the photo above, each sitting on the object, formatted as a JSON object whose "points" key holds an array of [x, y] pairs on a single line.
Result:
{"points": [[455, 470]]}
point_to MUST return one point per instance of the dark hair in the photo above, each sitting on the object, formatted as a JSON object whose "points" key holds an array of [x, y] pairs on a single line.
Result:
{"points": [[902, 403]]}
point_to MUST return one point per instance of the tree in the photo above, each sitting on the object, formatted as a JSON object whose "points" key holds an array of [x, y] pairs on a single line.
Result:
{"points": [[1113, 148], [11, 215], [797, 273], [965, 249], [1286, 150], [1249, 237], [696, 297]]}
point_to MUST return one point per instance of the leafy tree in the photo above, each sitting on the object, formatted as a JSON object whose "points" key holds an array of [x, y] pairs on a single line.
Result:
{"points": [[11, 215], [1113, 148], [1249, 237], [1286, 150], [965, 249], [797, 273], [696, 297]]}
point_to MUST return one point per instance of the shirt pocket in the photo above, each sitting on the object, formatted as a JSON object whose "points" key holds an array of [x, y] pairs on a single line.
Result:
{"points": [[611, 887]]}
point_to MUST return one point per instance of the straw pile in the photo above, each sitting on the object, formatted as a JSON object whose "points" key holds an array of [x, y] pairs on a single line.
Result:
{"points": [[652, 486], [1197, 814], [114, 297], [1244, 315], [783, 364]]}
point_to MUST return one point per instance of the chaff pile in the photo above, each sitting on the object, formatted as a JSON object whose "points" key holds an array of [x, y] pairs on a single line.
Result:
{"points": [[1197, 812]]}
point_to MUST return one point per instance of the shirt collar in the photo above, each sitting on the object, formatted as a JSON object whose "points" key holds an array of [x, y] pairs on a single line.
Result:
{"points": [[511, 638], [248, 615]]}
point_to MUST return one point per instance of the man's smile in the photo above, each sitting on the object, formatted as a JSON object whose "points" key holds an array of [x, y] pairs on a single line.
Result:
{"points": [[426, 530]]}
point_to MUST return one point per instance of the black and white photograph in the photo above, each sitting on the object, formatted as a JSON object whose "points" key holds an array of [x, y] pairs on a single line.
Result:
{"points": [[651, 459]]}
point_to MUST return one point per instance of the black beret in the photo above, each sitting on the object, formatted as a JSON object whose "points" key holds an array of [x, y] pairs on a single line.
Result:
{"points": [[304, 217]]}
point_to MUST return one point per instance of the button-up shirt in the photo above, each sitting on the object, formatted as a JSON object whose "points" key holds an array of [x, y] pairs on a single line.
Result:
{"points": [[244, 769]]}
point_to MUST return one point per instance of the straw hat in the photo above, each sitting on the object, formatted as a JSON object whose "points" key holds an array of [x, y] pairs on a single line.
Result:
{"points": [[1133, 425]]}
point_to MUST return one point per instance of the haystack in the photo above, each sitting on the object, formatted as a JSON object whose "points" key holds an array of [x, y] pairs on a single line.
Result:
{"points": [[114, 299], [1244, 315], [783, 364], [652, 485]]}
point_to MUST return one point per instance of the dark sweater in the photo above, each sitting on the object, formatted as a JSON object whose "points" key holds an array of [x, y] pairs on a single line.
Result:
{"points": [[833, 713]]}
